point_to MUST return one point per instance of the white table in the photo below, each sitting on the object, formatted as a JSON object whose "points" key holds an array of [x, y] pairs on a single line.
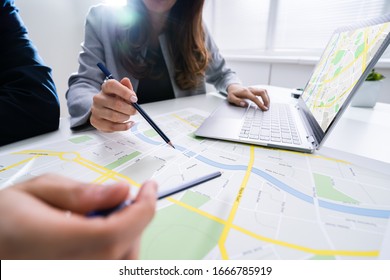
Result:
{"points": [[361, 131]]}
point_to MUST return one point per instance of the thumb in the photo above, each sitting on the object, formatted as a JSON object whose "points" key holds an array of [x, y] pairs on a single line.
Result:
{"points": [[142, 210], [65, 193], [148, 192], [234, 99], [127, 83], [99, 197]]}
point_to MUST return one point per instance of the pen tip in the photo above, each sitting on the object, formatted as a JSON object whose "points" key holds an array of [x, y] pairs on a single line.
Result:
{"points": [[170, 143]]}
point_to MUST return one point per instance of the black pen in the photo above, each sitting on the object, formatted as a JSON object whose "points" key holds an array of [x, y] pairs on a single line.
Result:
{"points": [[138, 108], [160, 195]]}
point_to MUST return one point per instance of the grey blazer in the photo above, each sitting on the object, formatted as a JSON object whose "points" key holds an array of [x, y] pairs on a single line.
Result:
{"points": [[101, 23]]}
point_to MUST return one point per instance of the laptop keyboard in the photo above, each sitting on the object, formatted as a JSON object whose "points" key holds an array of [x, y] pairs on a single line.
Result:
{"points": [[275, 125]]}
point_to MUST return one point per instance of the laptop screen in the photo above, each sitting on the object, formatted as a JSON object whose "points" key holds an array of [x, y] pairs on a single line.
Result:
{"points": [[345, 63]]}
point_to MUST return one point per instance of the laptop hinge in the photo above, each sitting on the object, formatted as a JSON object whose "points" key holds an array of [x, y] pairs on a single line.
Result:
{"points": [[311, 139]]}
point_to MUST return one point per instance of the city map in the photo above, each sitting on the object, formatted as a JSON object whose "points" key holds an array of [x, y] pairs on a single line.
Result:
{"points": [[268, 203], [344, 60]]}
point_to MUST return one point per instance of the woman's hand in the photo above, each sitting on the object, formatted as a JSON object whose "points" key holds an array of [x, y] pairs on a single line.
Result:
{"points": [[111, 109], [237, 95], [45, 218]]}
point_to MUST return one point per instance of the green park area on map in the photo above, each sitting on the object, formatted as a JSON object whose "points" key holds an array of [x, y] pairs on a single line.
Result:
{"points": [[268, 203]]}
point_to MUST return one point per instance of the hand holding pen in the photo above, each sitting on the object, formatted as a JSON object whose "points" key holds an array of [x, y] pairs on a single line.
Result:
{"points": [[110, 109], [163, 194]]}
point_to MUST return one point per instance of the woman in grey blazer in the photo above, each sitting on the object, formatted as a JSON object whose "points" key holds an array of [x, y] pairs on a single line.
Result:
{"points": [[160, 49]]}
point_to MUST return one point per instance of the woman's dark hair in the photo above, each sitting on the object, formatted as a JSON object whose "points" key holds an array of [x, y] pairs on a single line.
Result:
{"points": [[185, 36]]}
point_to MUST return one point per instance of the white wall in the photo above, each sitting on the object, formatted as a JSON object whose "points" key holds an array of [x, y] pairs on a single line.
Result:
{"points": [[57, 30], [287, 74]]}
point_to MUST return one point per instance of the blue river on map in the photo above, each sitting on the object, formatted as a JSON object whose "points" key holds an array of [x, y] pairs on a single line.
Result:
{"points": [[377, 213]]}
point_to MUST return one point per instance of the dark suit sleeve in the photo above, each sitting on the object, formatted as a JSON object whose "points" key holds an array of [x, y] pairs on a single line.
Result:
{"points": [[28, 100]]}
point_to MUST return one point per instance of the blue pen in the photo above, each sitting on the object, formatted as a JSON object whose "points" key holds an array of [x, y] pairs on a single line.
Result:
{"points": [[160, 195], [105, 71], [138, 108]]}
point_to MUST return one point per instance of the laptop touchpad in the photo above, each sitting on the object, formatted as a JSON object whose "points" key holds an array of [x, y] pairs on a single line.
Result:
{"points": [[227, 110]]}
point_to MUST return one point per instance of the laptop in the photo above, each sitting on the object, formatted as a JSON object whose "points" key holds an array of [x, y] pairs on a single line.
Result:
{"points": [[303, 124]]}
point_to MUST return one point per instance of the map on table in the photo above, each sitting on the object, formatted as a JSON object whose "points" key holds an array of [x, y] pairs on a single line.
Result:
{"points": [[268, 203]]}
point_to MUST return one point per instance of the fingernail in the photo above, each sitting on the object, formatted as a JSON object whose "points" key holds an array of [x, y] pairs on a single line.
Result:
{"points": [[103, 190], [130, 124], [151, 185], [133, 98], [242, 104], [266, 108]]}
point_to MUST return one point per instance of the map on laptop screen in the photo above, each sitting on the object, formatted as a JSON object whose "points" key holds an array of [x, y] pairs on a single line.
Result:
{"points": [[343, 62]]}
